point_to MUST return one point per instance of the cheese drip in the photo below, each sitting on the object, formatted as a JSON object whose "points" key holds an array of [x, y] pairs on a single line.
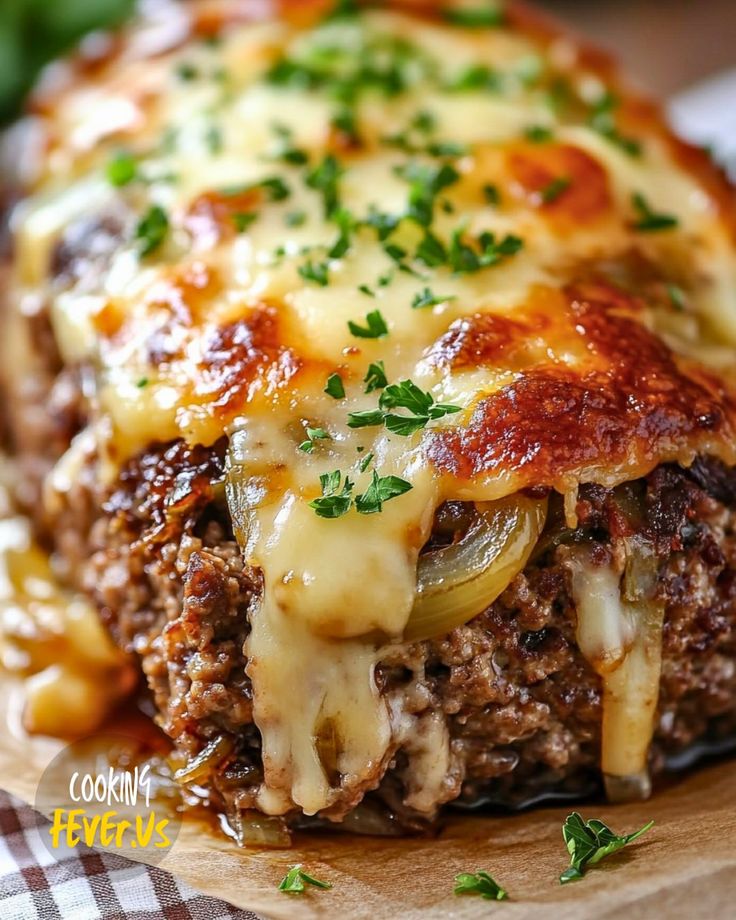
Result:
{"points": [[623, 643], [335, 591]]}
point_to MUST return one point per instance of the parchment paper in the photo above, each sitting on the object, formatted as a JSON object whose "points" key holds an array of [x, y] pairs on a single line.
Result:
{"points": [[685, 867]]}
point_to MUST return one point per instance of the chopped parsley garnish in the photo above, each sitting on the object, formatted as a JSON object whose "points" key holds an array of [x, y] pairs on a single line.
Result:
{"points": [[649, 221], [677, 297], [603, 121], [426, 182], [375, 378], [337, 495], [538, 134], [375, 326], [492, 194], [381, 489], [214, 140], [487, 251], [243, 219], [366, 418], [335, 387], [480, 883], [404, 395], [152, 230], [345, 122], [552, 191], [383, 224], [367, 290], [346, 224], [336, 498], [486, 15], [143, 382], [186, 71], [588, 842], [274, 187], [324, 178], [296, 879], [421, 406], [287, 152], [476, 77], [122, 169], [381, 63], [295, 219], [426, 298], [313, 434], [365, 462], [431, 251], [316, 272]]}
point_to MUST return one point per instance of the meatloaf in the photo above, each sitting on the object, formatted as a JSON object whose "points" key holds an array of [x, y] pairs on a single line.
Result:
{"points": [[371, 368]]}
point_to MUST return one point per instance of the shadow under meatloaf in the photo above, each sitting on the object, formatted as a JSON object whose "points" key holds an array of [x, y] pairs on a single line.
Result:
{"points": [[157, 554]]}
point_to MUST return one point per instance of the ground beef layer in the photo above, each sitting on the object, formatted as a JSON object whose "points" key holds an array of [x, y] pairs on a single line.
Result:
{"points": [[522, 705]]}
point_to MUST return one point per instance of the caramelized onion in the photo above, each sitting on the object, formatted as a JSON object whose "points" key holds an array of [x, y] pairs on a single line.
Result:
{"points": [[253, 829], [205, 762], [457, 582]]}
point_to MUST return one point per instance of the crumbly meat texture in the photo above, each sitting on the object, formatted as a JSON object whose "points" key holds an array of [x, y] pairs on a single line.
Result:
{"points": [[522, 705]]}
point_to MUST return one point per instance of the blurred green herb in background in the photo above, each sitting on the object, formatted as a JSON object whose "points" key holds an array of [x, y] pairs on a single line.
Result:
{"points": [[33, 32]]}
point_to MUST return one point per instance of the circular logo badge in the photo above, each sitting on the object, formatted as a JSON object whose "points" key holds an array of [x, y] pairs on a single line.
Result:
{"points": [[113, 793]]}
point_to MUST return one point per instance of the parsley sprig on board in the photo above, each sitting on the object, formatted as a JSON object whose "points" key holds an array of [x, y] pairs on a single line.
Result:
{"points": [[480, 883], [588, 842], [296, 880]]}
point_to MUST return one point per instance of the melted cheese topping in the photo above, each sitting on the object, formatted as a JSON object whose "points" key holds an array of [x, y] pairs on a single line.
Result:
{"points": [[623, 643], [571, 355]]}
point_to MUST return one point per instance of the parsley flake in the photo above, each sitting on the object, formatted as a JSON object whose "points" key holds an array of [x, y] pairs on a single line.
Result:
{"points": [[426, 298], [381, 489], [366, 418], [538, 134], [365, 462], [375, 326], [480, 883], [313, 434], [426, 182], [243, 219], [588, 842], [492, 194], [552, 191], [296, 879], [649, 220], [335, 387], [324, 179], [476, 77], [336, 498], [122, 169], [602, 120], [286, 151], [677, 297], [487, 251], [152, 230], [375, 378], [316, 272], [488, 15], [295, 219]]}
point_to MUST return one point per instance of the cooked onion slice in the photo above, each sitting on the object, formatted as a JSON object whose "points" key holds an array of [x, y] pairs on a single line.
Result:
{"points": [[457, 582], [206, 761]]}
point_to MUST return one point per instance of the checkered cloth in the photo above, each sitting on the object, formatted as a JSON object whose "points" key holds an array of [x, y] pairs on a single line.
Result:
{"points": [[83, 884]]}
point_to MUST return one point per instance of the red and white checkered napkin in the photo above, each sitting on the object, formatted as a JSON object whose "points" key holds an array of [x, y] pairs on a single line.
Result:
{"points": [[83, 884]]}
